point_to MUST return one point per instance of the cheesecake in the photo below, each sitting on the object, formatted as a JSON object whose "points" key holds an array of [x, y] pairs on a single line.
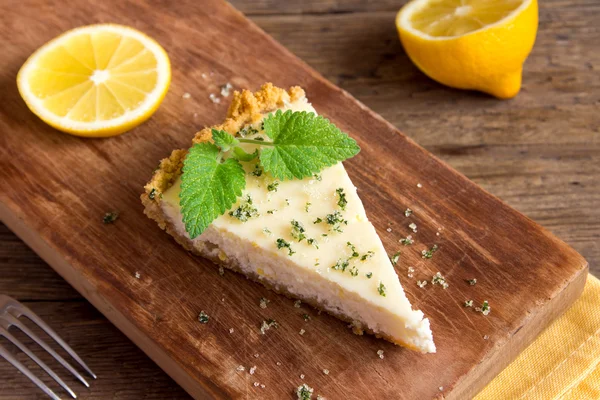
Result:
{"points": [[309, 239]]}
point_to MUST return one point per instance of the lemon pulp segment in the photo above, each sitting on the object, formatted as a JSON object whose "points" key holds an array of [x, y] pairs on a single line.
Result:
{"points": [[443, 18]]}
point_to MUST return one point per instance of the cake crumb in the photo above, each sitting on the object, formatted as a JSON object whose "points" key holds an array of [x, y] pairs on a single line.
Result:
{"points": [[301, 376], [256, 384], [413, 227], [226, 89], [407, 241], [240, 368], [485, 308], [304, 392], [326, 371], [441, 388], [278, 363], [263, 302], [110, 217], [230, 330], [252, 370], [486, 337], [256, 355], [380, 354], [302, 331], [267, 324], [203, 317], [389, 229], [419, 185], [438, 279]]}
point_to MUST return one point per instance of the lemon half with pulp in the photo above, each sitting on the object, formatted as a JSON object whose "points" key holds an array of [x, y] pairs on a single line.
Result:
{"points": [[96, 80], [470, 44]]}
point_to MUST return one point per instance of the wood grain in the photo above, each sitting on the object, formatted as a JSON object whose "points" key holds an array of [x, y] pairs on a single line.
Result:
{"points": [[525, 188]]}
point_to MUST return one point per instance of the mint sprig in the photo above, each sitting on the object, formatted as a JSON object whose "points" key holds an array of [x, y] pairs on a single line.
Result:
{"points": [[302, 144]]}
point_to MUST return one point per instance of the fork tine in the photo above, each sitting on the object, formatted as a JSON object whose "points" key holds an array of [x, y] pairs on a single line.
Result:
{"points": [[9, 357], [24, 349], [21, 309], [15, 322]]}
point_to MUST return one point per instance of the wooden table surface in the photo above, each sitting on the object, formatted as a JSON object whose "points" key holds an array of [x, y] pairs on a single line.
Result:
{"points": [[540, 152]]}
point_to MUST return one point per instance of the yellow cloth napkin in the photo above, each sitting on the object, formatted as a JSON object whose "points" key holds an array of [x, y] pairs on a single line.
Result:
{"points": [[563, 362]]}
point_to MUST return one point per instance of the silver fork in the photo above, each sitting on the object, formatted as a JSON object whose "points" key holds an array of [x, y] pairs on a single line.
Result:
{"points": [[10, 312]]}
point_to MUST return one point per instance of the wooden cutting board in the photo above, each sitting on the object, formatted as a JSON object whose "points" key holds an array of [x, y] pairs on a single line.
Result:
{"points": [[55, 188]]}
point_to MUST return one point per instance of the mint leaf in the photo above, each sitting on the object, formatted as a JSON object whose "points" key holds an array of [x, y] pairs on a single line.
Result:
{"points": [[303, 144], [209, 187], [224, 140]]}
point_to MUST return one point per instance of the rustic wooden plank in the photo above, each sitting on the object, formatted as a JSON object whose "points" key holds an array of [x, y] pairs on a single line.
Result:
{"points": [[124, 371], [417, 120]]}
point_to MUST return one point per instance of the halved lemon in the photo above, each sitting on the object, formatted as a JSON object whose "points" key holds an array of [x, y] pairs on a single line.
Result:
{"points": [[470, 44], [96, 80]]}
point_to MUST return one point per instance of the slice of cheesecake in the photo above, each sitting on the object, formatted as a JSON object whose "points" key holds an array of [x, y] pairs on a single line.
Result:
{"points": [[309, 239]]}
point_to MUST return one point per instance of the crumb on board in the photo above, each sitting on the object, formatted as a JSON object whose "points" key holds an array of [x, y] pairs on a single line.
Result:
{"points": [[226, 89], [203, 317], [110, 217], [304, 392]]}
